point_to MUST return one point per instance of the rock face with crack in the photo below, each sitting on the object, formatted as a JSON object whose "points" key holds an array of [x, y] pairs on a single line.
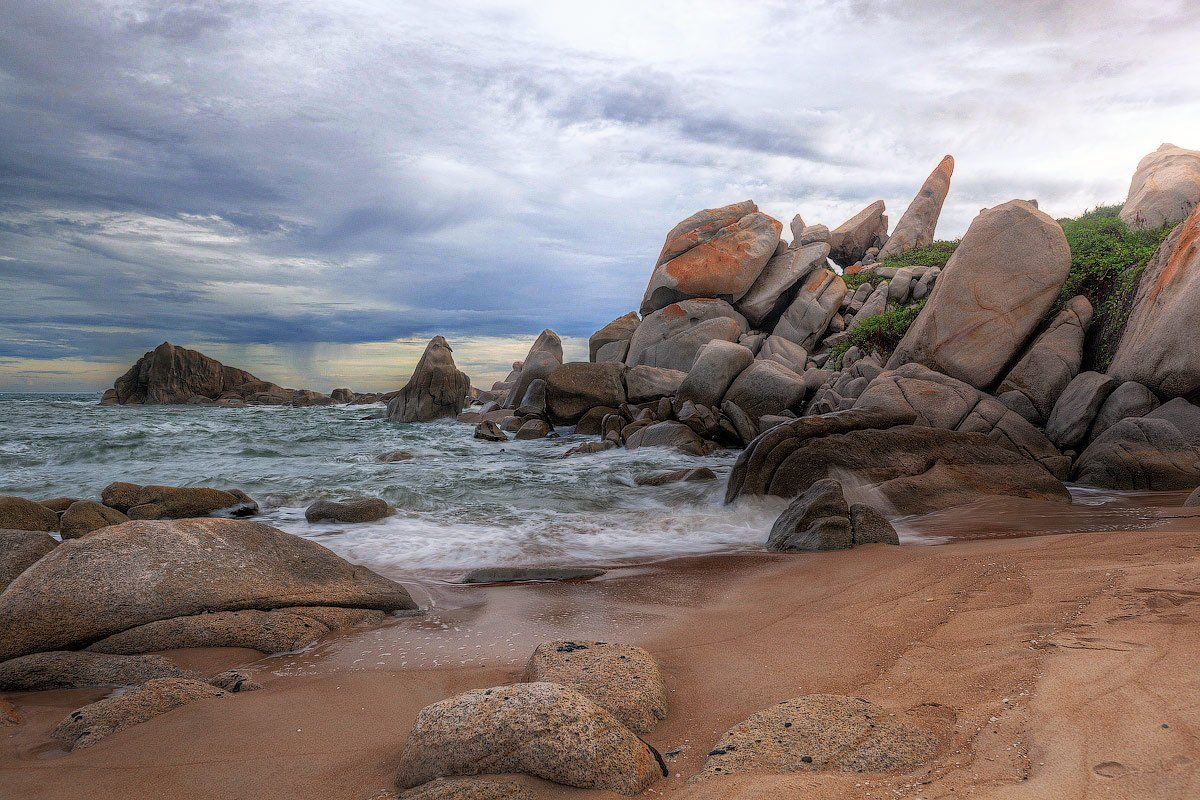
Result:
{"points": [[821, 733], [620, 678], [1034, 384], [540, 729], [86, 726]]}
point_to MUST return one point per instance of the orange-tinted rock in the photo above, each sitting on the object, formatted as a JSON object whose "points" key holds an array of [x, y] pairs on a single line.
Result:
{"points": [[916, 227]]}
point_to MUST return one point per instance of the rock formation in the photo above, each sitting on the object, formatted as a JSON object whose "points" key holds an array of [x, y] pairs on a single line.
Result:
{"points": [[1165, 188], [1034, 384], [672, 336], [436, 389], [611, 343], [849, 242], [919, 221]]}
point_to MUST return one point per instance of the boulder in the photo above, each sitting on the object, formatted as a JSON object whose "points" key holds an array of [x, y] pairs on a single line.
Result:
{"points": [[234, 681], [59, 504], [919, 221], [592, 420], [533, 429], [796, 226], [868, 526], [545, 355], [19, 549], [644, 383], [675, 476], [613, 352], [670, 434], [622, 679], [533, 404], [1165, 188], [176, 502], [745, 428], [266, 631], [1160, 451], [818, 519], [822, 733], [716, 366], [478, 787], [70, 669], [1158, 348], [85, 516], [1049, 364], [873, 306], [342, 396], [1077, 406], [360, 509], [173, 375], [766, 387], [619, 330], [775, 287], [849, 242], [671, 337], [1130, 399], [436, 389], [394, 456], [785, 352], [526, 574], [19, 514], [914, 468], [575, 387], [814, 233], [699, 260], [88, 725], [1193, 499], [814, 307], [996, 288], [489, 431], [540, 729], [127, 575]]}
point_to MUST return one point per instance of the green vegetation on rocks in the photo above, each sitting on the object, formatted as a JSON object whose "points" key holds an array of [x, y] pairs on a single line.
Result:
{"points": [[931, 255], [878, 334]]}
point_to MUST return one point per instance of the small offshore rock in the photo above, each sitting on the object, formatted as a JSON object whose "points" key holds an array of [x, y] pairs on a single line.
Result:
{"points": [[363, 509], [529, 574], [675, 476], [489, 431]]}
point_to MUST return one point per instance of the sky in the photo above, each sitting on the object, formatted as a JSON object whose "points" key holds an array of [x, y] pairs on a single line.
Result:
{"points": [[312, 190]]}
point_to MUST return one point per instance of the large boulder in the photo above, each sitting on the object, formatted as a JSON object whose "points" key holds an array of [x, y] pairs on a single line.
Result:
{"points": [[1159, 348], [84, 516], [540, 729], [671, 337], [674, 435], [766, 387], [643, 383], [1165, 188], [170, 374], [919, 221], [807, 318], [577, 386], [622, 679], [875, 453], [996, 288], [1130, 399], [358, 509], [1159, 451], [436, 389], [128, 575], [1049, 364], [176, 502], [619, 330], [19, 549], [70, 669], [1077, 406], [544, 356], [702, 260], [776, 285], [19, 514], [88, 725], [851, 240], [818, 519], [716, 366]]}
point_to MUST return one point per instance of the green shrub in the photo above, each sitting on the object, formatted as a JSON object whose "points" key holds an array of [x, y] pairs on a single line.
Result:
{"points": [[879, 333], [932, 255]]}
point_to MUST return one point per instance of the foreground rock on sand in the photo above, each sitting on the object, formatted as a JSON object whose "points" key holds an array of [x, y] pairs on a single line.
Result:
{"points": [[821, 732], [436, 389], [996, 288], [88, 725], [1165, 188], [523, 574], [176, 502], [620, 678], [128, 575], [70, 669], [540, 729]]}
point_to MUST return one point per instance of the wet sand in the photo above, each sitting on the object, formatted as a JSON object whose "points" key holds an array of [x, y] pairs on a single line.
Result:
{"points": [[1062, 666]]}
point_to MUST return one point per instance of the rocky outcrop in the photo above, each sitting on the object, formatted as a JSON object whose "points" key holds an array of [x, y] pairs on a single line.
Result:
{"points": [[176, 502], [619, 330], [1034, 384], [775, 287], [622, 679], [436, 389], [996, 288], [919, 221], [360, 509], [849, 242], [69, 669], [129, 575], [1164, 190], [19, 549], [1158, 451], [716, 366], [539, 729], [268, 632], [19, 514], [577, 386], [88, 725], [544, 356], [716, 253], [84, 516], [672, 336], [1159, 348], [818, 519], [816, 303]]}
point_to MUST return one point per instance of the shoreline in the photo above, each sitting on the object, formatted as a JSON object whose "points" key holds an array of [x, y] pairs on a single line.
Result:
{"points": [[1090, 637]]}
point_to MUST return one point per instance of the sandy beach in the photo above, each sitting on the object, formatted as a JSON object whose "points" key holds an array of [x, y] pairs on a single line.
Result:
{"points": [[1050, 667]]}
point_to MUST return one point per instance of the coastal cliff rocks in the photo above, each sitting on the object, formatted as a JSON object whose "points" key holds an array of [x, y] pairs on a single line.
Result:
{"points": [[360, 509], [775, 286], [436, 389], [919, 221], [544, 356], [672, 336], [176, 502], [715, 253], [996, 288], [850, 241], [1035, 382], [17, 513], [88, 725], [716, 366], [19, 549], [1158, 347], [540, 729], [69, 669], [1164, 190], [132, 574], [812, 310], [622, 679], [1158, 451], [611, 343], [577, 386], [84, 516]]}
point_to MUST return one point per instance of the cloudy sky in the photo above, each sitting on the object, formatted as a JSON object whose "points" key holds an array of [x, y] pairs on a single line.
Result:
{"points": [[310, 190]]}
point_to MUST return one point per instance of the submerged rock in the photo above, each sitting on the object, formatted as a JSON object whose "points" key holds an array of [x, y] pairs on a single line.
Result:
{"points": [[362, 509], [676, 476], [489, 431], [524, 574], [620, 678], [88, 725], [670, 434], [436, 389]]}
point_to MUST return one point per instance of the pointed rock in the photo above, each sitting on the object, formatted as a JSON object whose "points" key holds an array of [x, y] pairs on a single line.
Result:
{"points": [[544, 357], [916, 227], [436, 389]]}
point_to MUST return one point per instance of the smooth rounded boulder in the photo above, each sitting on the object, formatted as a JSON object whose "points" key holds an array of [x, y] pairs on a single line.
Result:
{"points": [[717, 364], [19, 514], [766, 387], [996, 288], [1165, 188], [818, 519], [360, 509], [84, 516], [128, 575], [671, 337], [86, 726], [70, 669], [436, 389], [19, 549], [1049, 364], [176, 502], [574, 388]]}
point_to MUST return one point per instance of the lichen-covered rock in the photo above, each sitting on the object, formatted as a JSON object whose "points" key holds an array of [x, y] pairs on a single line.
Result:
{"points": [[19, 514], [86, 726], [436, 389], [128, 575], [919, 221], [996, 288], [620, 678], [1049, 363], [360, 509], [850, 241], [540, 729], [672, 336], [818, 519], [84, 516], [176, 502], [1165, 188], [19, 549], [775, 287], [72, 669]]}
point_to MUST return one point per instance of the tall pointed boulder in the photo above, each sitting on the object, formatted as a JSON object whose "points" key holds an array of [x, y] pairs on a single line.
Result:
{"points": [[916, 227], [436, 389]]}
